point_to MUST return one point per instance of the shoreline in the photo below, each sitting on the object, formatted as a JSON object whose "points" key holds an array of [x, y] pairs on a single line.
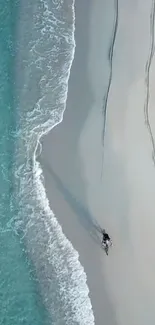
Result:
{"points": [[121, 286], [64, 182]]}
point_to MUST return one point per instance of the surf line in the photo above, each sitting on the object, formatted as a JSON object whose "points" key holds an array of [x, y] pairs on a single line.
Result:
{"points": [[105, 98], [147, 79]]}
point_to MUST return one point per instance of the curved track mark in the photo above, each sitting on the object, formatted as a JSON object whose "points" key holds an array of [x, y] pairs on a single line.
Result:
{"points": [[147, 78], [110, 59]]}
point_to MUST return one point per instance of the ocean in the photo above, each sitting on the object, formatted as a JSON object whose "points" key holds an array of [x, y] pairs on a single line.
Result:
{"points": [[41, 278]]}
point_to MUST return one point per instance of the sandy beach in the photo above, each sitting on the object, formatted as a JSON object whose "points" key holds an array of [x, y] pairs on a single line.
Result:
{"points": [[87, 192]]}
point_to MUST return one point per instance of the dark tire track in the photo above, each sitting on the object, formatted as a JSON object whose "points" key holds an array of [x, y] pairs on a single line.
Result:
{"points": [[110, 59], [147, 79]]}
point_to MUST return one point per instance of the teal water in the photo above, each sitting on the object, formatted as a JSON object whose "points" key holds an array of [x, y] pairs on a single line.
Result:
{"points": [[20, 301], [41, 279]]}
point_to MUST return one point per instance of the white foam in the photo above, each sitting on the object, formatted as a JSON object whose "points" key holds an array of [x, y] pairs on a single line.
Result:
{"points": [[71, 277], [61, 276]]}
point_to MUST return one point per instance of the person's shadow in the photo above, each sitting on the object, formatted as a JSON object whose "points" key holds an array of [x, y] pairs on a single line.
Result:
{"points": [[82, 213]]}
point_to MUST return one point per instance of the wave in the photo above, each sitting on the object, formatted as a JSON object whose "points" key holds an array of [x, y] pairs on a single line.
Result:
{"points": [[61, 277]]}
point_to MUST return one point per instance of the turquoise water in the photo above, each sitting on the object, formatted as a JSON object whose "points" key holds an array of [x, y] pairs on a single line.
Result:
{"points": [[20, 302], [41, 278]]}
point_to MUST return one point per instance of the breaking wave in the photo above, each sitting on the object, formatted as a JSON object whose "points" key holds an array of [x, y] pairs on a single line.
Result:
{"points": [[46, 56]]}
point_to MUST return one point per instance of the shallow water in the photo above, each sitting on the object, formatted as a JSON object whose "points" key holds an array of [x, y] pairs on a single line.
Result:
{"points": [[42, 281], [20, 301]]}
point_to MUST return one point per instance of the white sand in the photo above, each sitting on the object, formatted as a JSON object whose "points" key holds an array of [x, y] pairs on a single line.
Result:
{"points": [[122, 286]]}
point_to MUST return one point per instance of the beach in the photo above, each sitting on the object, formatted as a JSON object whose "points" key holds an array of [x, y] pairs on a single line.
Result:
{"points": [[91, 186]]}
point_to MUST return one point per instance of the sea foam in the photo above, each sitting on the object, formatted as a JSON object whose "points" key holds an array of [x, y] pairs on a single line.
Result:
{"points": [[61, 277]]}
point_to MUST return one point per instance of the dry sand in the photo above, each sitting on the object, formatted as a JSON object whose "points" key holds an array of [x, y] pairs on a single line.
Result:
{"points": [[122, 286]]}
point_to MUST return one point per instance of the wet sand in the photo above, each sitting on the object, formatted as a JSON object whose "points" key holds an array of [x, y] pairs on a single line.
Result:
{"points": [[119, 194]]}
